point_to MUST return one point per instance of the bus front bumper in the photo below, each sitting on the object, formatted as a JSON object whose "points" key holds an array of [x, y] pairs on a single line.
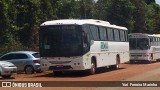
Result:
{"points": [[66, 68]]}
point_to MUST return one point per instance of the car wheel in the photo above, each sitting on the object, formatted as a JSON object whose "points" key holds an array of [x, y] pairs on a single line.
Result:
{"points": [[6, 76], [29, 70], [56, 73], [39, 71]]}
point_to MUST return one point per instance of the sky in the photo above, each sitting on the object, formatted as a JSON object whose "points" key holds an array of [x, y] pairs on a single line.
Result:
{"points": [[158, 2]]}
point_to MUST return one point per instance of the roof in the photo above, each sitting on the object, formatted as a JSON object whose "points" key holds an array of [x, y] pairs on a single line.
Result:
{"points": [[23, 52], [81, 22], [155, 35], [144, 34]]}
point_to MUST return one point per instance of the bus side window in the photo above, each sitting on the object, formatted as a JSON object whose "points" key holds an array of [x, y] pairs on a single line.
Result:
{"points": [[116, 35], [126, 35], [94, 31], [158, 41], [122, 35], [103, 34], [88, 32], [110, 34], [86, 43]]}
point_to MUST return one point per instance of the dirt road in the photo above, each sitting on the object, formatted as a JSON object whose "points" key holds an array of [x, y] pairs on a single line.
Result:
{"points": [[127, 72]]}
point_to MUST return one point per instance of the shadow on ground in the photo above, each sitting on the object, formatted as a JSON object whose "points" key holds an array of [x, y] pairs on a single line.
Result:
{"points": [[76, 73], [7, 78]]}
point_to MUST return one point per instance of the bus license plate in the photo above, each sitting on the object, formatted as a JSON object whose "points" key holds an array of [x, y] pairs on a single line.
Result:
{"points": [[59, 65]]}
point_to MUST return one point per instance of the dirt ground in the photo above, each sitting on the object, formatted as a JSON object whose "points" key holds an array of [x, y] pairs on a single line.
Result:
{"points": [[127, 72]]}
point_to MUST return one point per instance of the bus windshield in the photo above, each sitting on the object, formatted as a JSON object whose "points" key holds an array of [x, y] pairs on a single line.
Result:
{"points": [[60, 40], [139, 43]]}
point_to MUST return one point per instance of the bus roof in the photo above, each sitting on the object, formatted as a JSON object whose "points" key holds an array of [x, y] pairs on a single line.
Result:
{"points": [[81, 22], [144, 35], [155, 35]]}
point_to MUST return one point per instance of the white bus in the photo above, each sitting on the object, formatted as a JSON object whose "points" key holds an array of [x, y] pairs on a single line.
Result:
{"points": [[144, 47], [86, 44]]}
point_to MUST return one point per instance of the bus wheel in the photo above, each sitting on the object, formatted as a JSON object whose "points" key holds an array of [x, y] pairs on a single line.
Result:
{"points": [[148, 61], [131, 61], [57, 73], [117, 63], [116, 66], [6, 76], [93, 67]]}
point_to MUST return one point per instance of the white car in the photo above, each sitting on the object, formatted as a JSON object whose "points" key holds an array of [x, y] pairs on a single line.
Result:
{"points": [[7, 69]]}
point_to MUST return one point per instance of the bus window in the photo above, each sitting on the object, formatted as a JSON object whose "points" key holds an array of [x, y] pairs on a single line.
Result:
{"points": [[116, 35], [110, 34], [142, 43], [122, 35], [95, 32], [126, 35], [103, 35], [132, 43], [88, 32]]}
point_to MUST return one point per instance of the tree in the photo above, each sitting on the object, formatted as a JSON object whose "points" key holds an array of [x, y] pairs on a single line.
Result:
{"points": [[101, 9], [120, 13], [67, 9], [87, 8], [139, 16], [150, 1], [48, 10], [20, 19], [153, 18], [8, 27]]}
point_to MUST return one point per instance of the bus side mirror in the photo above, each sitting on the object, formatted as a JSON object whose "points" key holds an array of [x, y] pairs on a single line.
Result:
{"points": [[92, 42], [86, 43], [85, 39]]}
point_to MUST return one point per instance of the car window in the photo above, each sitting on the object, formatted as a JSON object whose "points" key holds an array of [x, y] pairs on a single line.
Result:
{"points": [[20, 56], [8, 57], [36, 55], [14, 56]]}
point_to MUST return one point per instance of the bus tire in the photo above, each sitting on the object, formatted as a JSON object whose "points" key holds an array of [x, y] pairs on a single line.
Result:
{"points": [[116, 66], [6, 76], [148, 61], [131, 62], [93, 67], [55, 73]]}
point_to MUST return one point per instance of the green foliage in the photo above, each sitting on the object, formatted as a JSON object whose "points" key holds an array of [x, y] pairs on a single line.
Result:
{"points": [[120, 13], [101, 9], [12, 45], [139, 16], [20, 19], [152, 18], [65, 8]]}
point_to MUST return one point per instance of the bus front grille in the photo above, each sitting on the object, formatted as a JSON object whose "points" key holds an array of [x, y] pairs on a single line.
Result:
{"points": [[59, 62], [60, 68]]}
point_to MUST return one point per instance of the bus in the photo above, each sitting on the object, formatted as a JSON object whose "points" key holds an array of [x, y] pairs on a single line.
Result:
{"points": [[144, 47], [82, 44]]}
